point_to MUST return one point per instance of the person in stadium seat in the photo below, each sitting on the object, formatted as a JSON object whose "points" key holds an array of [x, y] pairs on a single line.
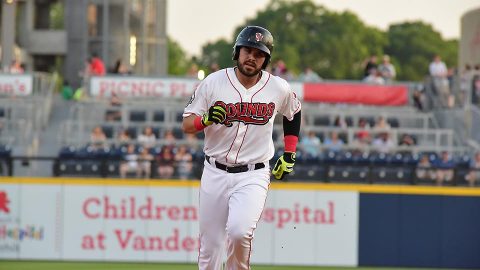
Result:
{"points": [[183, 162], [145, 162], [424, 170], [333, 142], [147, 138], [114, 113], [474, 174], [130, 162], [444, 166], [310, 144], [170, 138], [165, 162], [383, 143], [98, 139]]}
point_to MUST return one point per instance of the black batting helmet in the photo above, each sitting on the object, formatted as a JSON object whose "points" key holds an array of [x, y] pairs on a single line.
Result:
{"points": [[255, 37]]}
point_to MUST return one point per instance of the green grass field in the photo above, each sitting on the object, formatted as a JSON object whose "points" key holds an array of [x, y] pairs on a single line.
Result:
{"points": [[29, 265]]}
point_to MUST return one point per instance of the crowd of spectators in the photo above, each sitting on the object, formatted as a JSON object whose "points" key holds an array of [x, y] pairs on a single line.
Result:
{"points": [[144, 153]]}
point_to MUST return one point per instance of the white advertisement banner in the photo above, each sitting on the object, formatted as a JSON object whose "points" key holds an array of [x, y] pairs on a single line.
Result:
{"points": [[124, 86], [16, 85], [30, 221], [157, 223]]}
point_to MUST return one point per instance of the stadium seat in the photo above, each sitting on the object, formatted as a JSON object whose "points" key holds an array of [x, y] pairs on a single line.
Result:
{"points": [[109, 131], [132, 131], [158, 116], [179, 117], [349, 121], [138, 116], [393, 122], [178, 132], [321, 121]]}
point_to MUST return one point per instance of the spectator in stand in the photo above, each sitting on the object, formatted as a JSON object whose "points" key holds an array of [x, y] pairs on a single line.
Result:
{"points": [[166, 162], [120, 68], [67, 91], [362, 138], [383, 143], [147, 138], [308, 75], [424, 170], [381, 124], [97, 67], [474, 174], [387, 70], [280, 69], [123, 137], [439, 72], [192, 142], [184, 162], [466, 77], [418, 99], [169, 138], [340, 122], [375, 77], [369, 65], [310, 144], [193, 71], [145, 162], [333, 142], [16, 67], [130, 162], [114, 113], [98, 139], [407, 140], [444, 166]]}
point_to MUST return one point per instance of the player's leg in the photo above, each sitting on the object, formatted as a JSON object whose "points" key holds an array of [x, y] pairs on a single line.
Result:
{"points": [[246, 204], [213, 211]]}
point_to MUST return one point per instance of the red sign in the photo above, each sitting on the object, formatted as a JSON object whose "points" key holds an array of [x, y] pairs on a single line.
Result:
{"points": [[390, 95]]}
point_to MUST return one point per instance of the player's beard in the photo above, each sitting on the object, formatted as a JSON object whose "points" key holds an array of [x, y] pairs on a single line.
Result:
{"points": [[241, 68]]}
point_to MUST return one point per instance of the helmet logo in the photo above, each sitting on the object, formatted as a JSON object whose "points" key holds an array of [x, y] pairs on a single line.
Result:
{"points": [[258, 37]]}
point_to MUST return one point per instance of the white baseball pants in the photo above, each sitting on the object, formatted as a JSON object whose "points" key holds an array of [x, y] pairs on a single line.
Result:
{"points": [[230, 207]]}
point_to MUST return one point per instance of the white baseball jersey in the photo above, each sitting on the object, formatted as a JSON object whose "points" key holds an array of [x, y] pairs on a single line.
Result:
{"points": [[246, 135]]}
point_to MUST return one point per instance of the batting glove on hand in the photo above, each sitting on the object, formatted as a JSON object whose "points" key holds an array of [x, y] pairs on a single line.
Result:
{"points": [[284, 165], [216, 114]]}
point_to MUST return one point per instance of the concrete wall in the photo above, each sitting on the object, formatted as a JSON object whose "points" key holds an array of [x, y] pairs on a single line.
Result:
{"points": [[469, 47]]}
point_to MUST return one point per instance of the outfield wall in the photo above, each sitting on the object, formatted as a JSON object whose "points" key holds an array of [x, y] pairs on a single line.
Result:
{"points": [[302, 224]]}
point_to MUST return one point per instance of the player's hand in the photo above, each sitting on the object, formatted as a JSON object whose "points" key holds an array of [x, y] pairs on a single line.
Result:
{"points": [[284, 165], [216, 114]]}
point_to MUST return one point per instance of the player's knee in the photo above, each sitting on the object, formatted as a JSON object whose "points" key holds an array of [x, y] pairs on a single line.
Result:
{"points": [[239, 233]]}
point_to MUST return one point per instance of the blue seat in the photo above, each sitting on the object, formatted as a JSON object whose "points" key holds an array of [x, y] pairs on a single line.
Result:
{"points": [[159, 116], [138, 116]]}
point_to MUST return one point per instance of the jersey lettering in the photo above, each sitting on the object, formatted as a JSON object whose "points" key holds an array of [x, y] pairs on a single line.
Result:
{"points": [[248, 113]]}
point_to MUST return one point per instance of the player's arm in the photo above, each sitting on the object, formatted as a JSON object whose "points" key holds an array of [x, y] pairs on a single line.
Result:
{"points": [[216, 114], [188, 124], [291, 131]]}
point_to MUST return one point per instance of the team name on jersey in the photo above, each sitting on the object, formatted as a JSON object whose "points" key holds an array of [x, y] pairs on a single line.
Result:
{"points": [[256, 113]]}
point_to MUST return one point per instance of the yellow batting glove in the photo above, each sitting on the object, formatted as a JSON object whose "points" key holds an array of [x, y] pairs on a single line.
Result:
{"points": [[284, 165], [216, 114]]}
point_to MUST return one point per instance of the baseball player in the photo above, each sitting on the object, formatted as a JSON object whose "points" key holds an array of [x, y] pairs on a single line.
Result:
{"points": [[236, 107]]}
